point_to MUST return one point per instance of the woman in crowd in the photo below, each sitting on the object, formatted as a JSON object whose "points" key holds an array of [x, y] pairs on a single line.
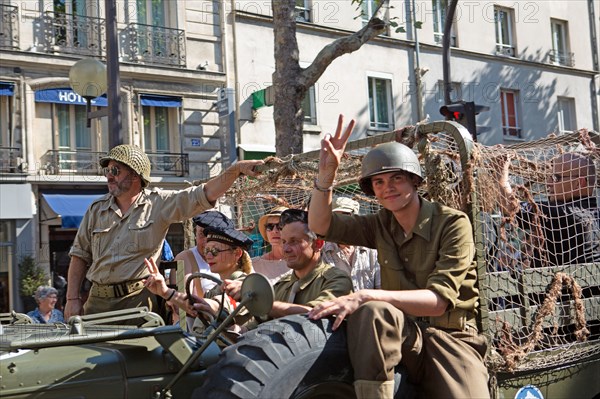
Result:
{"points": [[46, 298], [271, 264]]}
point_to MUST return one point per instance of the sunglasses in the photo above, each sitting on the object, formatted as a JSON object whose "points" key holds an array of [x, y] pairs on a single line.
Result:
{"points": [[215, 251], [558, 178], [112, 170], [271, 226]]}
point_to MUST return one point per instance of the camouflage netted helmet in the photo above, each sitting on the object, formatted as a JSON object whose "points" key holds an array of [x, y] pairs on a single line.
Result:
{"points": [[387, 157], [131, 156]]}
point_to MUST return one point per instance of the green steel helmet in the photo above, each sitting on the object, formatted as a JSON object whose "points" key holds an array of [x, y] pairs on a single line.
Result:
{"points": [[131, 156], [387, 157]]}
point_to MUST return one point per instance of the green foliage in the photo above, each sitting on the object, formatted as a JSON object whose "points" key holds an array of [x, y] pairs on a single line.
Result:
{"points": [[31, 276]]}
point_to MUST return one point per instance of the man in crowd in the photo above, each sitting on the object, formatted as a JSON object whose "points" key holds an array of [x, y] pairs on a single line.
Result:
{"points": [[359, 262], [569, 219], [129, 224], [424, 315]]}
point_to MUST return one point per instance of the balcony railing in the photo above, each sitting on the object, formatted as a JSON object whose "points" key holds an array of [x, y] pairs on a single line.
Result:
{"points": [[165, 164], [505, 49], [562, 58], [9, 159], [9, 27], [74, 34], [67, 162], [153, 45]]}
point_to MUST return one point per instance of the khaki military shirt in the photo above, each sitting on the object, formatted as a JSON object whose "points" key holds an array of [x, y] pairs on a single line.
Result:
{"points": [[114, 245], [324, 283], [438, 254]]}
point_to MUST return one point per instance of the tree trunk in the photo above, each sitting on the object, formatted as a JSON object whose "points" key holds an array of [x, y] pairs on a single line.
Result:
{"points": [[289, 93]]}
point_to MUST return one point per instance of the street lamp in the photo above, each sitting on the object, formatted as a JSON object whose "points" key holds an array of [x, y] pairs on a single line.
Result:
{"points": [[88, 78]]}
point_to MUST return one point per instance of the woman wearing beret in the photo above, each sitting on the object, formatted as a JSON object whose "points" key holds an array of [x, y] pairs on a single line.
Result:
{"points": [[271, 264], [225, 252]]}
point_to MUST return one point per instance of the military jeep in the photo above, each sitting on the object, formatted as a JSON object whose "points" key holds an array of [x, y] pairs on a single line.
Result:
{"points": [[542, 318]]}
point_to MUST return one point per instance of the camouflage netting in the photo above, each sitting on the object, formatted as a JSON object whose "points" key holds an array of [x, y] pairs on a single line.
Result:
{"points": [[538, 312]]}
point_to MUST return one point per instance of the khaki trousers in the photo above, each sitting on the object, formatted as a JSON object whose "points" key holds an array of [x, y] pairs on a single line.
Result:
{"points": [[136, 299], [442, 364]]}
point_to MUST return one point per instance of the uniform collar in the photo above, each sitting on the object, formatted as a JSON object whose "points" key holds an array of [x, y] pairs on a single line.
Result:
{"points": [[308, 279], [422, 226]]}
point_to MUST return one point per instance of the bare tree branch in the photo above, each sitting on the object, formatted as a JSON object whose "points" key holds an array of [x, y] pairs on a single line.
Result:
{"points": [[339, 47]]}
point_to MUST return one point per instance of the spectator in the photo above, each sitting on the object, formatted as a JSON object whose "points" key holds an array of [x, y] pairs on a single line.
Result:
{"points": [[359, 262], [271, 264], [45, 313], [128, 225]]}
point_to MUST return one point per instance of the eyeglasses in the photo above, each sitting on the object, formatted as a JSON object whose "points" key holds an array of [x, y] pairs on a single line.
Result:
{"points": [[293, 215], [215, 251], [112, 170], [271, 226]]}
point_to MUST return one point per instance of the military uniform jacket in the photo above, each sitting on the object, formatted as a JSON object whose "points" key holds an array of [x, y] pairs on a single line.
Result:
{"points": [[114, 245], [437, 255], [324, 283]]}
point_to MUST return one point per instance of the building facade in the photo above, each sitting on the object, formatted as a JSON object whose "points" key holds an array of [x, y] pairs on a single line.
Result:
{"points": [[172, 66], [534, 64]]}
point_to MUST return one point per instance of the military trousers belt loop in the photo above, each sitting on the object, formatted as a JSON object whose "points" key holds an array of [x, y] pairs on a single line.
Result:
{"points": [[116, 290]]}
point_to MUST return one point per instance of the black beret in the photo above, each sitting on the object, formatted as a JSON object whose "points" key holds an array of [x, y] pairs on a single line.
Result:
{"points": [[213, 219], [229, 236]]}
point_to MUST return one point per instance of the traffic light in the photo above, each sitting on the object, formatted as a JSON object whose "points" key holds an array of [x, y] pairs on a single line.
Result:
{"points": [[464, 113]]}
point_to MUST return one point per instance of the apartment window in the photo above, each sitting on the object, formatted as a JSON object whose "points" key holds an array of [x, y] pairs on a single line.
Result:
{"points": [[73, 133], [380, 103], [455, 93], [439, 22], [302, 11], [156, 14], [566, 115], [560, 54], [309, 107], [156, 129], [504, 32], [73, 25], [6, 93], [509, 101]]}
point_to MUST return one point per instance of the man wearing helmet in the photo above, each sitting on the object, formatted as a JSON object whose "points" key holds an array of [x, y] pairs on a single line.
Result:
{"points": [[129, 224], [424, 315]]}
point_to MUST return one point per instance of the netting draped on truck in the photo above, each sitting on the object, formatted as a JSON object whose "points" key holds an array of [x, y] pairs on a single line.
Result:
{"points": [[538, 267]]}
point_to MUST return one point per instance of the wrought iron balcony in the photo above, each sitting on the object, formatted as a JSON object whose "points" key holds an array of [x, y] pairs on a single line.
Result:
{"points": [[62, 162], [153, 45], [81, 162], [74, 34], [505, 49], [9, 27], [166, 163], [562, 58], [9, 159]]}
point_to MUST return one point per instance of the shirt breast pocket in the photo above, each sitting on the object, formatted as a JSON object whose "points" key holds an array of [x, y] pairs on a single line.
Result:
{"points": [[100, 241], [142, 238]]}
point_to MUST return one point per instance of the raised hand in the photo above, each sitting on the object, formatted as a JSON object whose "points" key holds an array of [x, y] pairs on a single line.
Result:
{"points": [[155, 282], [332, 149]]}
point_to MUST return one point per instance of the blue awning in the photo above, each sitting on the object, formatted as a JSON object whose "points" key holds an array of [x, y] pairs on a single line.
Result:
{"points": [[153, 100], [7, 89], [66, 96], [70, 208]]}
